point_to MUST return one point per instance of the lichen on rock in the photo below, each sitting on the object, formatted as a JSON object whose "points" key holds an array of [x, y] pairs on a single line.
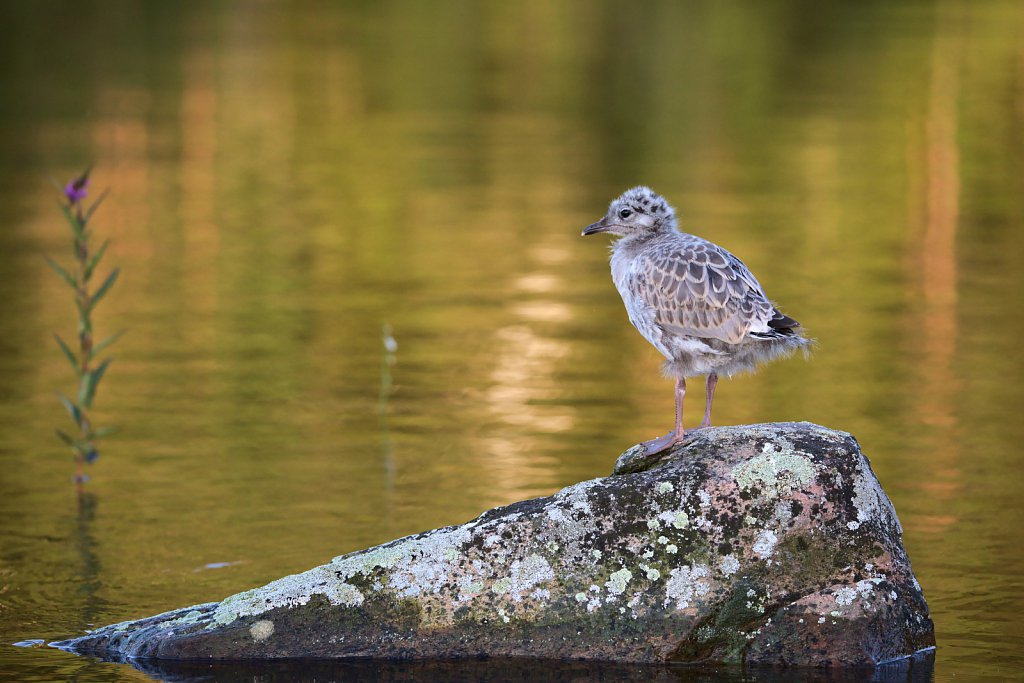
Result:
{"points": [[763, 543], [775, 471]]}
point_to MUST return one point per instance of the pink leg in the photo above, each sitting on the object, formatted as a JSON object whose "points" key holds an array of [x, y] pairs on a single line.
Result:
{"points": [[676, 435], [712, 382]]}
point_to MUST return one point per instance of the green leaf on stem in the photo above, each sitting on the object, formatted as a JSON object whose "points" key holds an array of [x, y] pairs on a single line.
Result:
{"points": [[90, 382], [91, 265], [95, 205], [64, 275], [76, 226], [96, 349], [84, 322], [68, 353], [73, 410], [98, 372], [63, 436], [107, 284], [86, 387]]}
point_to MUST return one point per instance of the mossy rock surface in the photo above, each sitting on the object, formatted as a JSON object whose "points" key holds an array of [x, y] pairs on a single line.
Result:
{"points": [[760, 544]]}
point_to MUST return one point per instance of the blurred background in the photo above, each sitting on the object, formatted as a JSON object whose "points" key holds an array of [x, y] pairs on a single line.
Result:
{"points": [[289, 180]]}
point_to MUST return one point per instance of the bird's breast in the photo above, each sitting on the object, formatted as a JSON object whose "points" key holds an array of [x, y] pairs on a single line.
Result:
{"points": [[640, 313]]}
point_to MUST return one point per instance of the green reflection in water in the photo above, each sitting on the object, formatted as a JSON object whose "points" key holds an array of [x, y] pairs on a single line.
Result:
{"points": [[288, 178]]}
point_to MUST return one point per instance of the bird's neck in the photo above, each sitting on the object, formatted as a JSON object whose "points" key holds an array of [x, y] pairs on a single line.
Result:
{"points": [[640, 239], [627, 247]]}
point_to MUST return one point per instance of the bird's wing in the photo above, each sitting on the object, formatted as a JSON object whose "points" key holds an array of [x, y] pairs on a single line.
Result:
{"points": [[698, 289]]}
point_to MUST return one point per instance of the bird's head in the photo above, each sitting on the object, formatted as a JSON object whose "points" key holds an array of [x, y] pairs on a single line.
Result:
{"points": [[636, 212]]}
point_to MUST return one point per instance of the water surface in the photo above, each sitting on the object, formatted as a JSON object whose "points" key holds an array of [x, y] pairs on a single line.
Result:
{"points": [[287, 179]]}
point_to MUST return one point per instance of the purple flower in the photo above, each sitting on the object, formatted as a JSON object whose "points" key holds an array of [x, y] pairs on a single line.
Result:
{"points": [[77, 189]]}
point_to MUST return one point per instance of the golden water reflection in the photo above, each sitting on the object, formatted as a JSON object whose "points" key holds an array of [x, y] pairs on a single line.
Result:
{"points": [[287, 179]]}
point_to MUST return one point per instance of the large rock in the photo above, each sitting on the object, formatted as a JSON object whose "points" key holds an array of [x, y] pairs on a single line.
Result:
{"points": [[770, 544]]}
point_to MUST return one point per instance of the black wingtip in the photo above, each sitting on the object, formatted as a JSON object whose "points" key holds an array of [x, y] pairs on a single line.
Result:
{"points": [[781, 322]]}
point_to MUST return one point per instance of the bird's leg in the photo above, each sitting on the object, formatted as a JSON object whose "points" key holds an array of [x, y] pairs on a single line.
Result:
{"points": [[676, 435], [680, 395], [712, 382]]}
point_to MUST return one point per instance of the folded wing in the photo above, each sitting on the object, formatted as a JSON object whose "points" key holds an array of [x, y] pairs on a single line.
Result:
{"points": [[701, 290]]}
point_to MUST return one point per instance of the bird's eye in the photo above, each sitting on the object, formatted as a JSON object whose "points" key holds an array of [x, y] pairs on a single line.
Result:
{"points": [[625, 213]]}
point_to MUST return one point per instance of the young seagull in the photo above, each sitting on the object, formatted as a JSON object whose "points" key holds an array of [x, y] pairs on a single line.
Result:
{"points": [[693, 300]]}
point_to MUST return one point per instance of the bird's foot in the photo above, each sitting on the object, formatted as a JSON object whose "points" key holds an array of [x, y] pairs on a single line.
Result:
{"points": [[644, 456], [663, 443]]}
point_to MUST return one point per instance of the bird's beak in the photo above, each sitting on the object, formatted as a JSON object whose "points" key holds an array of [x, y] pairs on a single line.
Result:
{"points": [[594, 228]]}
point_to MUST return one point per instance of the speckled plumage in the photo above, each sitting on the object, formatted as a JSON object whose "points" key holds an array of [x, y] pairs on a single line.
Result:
{"points": [[695, 302]]}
